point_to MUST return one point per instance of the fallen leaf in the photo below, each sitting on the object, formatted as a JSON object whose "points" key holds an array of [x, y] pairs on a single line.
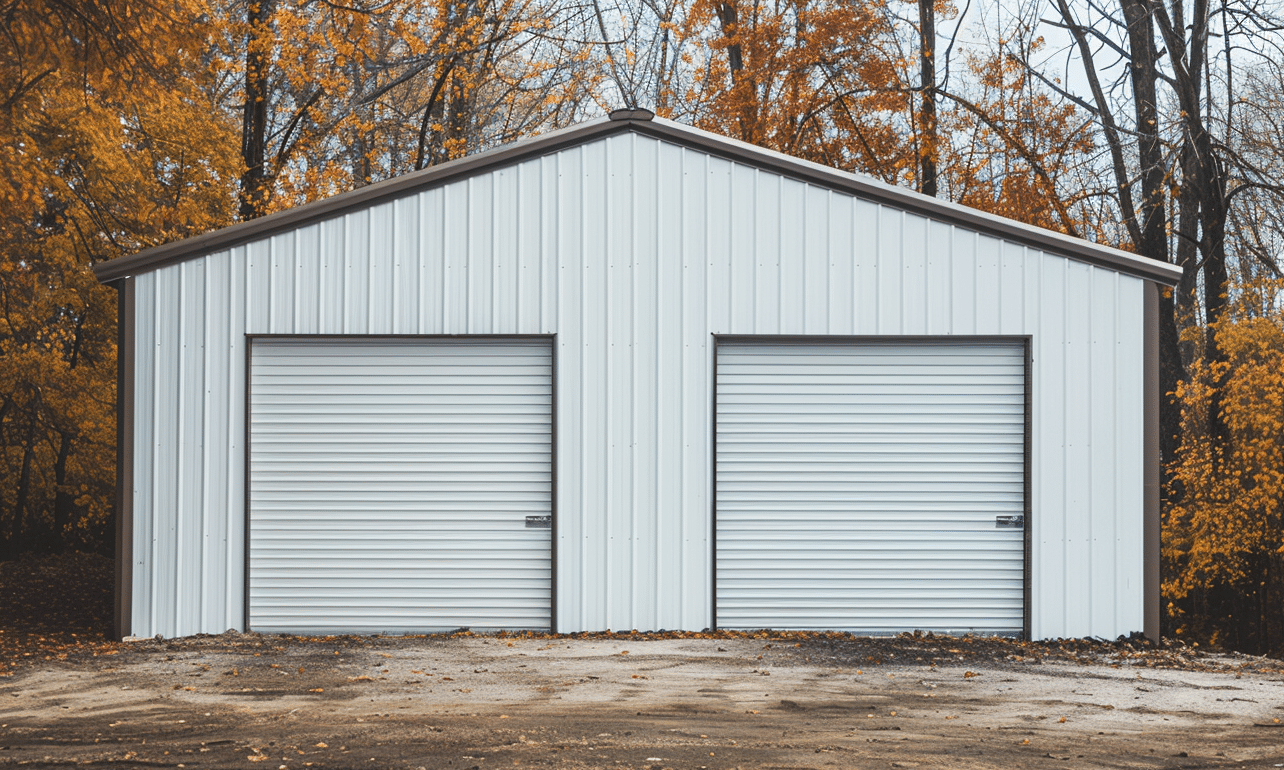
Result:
{"points": [[323, 745], [316, 689]]}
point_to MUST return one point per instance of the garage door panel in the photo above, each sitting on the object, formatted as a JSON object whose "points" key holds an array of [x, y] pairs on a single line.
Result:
{"points": [[391, 481], [859, 485]]}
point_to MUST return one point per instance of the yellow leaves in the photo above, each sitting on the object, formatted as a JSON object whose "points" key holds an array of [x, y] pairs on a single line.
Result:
{"points": [[1231, 513]]}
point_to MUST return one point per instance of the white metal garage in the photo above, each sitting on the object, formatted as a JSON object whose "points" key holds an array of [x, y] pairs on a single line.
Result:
{"points": [[399, 484], [871, 485], [646, 265]]}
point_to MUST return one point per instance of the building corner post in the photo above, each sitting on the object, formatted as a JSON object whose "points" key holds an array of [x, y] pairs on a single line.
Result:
{"points": [[1151, 464], [124, 507]]}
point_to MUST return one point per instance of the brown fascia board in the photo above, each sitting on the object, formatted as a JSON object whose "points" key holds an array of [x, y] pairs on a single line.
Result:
{"points": [[643, 122]]}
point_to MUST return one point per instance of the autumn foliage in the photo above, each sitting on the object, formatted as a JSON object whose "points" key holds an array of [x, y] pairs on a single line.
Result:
{"points": [[109, 147], [130, 123], [1224, 539]]}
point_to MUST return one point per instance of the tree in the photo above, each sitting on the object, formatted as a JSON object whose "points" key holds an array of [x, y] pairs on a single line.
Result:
{"points": [[336, 96], [111, 147], [1225, 546]]}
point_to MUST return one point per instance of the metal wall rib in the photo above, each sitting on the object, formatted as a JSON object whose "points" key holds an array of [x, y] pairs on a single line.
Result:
{"points": [[633, 253]]}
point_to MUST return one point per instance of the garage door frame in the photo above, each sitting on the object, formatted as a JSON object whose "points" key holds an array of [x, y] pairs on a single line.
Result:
{"points": [[549, 339], [819, 340]]}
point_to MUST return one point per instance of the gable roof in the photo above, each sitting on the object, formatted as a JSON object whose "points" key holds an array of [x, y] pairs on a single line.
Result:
{"points": [[643, 122]]}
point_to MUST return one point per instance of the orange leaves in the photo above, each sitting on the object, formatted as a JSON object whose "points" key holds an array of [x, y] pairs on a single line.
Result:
{"points": [[1227, 529]]}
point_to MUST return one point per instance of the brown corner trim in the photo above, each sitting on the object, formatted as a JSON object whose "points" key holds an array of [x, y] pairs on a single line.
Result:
{"points": [[1152, 462], [124, 513]]}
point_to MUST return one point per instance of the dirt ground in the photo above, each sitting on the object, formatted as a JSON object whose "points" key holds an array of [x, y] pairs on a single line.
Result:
{"points": [[640, 701], [71, 695]]}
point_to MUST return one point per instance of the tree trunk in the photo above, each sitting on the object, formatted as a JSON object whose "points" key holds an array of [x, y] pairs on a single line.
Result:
{"points": [[64, 501], [22, 528], [256, 178], [927, 113], [1153, 216]]}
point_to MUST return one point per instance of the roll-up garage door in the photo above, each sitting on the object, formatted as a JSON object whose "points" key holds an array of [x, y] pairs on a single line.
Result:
{"points": [[869, 486], [399, 485]]}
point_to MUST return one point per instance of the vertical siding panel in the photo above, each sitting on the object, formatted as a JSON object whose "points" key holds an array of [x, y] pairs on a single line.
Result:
{"points": [[817, 239], [379, 296], [1050, 471], [190, 528], [720, 241], [1103, 422], [1128, 504], [237, 313], [865, 248], [619, 314], [698, 319], [258, 287], [890, 269], [668, 305], [989, 286], [455, 281], [167, 387], [307, 280], [331, 282], [647, 369], [480, 265], [841, 301], [281, 283], [743, 255], [146, 454], [559, 248], [356, 284], [1079, 480], [963, 286], [585, 210], [550, 261], [766, 249], [1012, 291], [793, 259], [432, 263], [939, 278], [406, 265], [504, 303], [913, 296], [529, 247], [214, 493]]}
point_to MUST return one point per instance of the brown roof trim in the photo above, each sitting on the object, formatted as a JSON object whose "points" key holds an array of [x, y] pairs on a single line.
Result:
{"points": [[642, 122]]}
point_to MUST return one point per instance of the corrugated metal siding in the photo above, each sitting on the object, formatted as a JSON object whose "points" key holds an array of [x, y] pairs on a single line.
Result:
{"points": [[390, 481], [858, 485], [634, 252]]}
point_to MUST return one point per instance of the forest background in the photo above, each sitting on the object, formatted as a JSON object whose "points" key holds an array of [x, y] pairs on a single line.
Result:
{"points": [[1150, 125]]}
